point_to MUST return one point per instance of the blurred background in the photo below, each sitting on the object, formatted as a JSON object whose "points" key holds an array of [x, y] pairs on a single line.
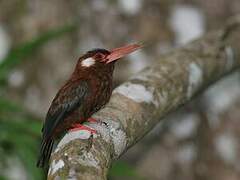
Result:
{"points": [[40, 41]]}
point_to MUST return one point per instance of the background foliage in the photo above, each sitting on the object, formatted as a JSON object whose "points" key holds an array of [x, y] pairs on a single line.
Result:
{"points": [[40, 41], [20, 131]]}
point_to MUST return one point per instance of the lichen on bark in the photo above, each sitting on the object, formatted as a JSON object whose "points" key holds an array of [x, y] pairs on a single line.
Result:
{"points": [[137, 106]]}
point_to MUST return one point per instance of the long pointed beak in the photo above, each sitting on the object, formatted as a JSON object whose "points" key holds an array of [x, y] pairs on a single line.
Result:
{"points": [[118, 53]]}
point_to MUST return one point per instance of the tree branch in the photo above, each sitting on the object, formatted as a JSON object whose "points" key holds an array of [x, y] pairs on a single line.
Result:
{"points": [[137, 105]]}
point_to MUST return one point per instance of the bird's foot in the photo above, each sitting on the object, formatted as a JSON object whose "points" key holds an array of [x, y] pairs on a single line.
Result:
{"points": [[93, 120], [77, 127]]}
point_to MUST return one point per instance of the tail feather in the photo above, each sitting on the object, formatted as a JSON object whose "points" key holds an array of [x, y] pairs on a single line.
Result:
{"points": [[45, 152]]}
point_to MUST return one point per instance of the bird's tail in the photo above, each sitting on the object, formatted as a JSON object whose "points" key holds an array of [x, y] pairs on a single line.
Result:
{"points": [[45, 152]]}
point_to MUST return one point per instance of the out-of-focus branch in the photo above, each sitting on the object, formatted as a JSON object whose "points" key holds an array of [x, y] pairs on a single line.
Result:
{"points": [[137, 105]]}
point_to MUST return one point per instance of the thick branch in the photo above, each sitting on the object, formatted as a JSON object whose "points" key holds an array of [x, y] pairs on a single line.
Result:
{"points": [[137, 105]]}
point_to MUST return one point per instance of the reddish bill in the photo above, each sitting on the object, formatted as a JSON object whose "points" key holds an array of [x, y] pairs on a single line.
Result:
{"points": [[120, 52]]}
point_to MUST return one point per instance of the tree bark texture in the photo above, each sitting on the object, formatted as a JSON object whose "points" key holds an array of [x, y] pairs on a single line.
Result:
{"points": [[139, 104]]}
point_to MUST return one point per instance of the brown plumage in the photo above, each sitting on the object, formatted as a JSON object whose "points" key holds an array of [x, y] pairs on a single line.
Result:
{"points": [[88, 89]]}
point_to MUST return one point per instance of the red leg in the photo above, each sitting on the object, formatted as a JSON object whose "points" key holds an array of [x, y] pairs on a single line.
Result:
{"points": [[93, 120], [76, 127]]}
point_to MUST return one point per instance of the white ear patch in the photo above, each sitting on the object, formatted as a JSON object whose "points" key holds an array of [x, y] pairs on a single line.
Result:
{"points": [[88, 62]]}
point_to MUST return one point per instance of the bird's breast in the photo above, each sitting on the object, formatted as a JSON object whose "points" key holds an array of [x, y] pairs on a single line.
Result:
{"points": [[101, 90]]}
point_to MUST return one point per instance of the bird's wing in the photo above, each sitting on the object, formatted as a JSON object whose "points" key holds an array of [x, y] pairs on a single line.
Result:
{"points": [[69, 98]]}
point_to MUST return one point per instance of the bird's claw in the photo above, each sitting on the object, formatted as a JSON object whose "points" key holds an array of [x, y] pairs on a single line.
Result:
{"points": [[93, 120], [77, 127]]}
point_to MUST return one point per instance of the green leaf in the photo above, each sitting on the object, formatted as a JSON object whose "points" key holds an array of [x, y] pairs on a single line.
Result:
{"points": [[19, 135], [122, 169], [6, 105], [22, 51], [2, 177]]}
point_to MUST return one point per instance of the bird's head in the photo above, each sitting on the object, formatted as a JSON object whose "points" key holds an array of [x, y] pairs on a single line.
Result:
{"points": [[106, 57]]}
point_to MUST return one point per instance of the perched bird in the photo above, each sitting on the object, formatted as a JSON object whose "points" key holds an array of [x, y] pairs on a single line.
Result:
{"points": [[87, 90]]}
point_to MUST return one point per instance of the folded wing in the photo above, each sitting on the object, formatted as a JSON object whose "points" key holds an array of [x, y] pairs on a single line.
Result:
{"points": [[69, 98]]}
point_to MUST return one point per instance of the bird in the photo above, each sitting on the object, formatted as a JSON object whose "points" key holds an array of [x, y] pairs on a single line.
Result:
{"points": [[86, 91]]}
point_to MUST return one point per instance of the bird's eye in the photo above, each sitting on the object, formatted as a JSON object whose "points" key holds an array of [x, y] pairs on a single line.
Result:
{"points": [[99, 56]]}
